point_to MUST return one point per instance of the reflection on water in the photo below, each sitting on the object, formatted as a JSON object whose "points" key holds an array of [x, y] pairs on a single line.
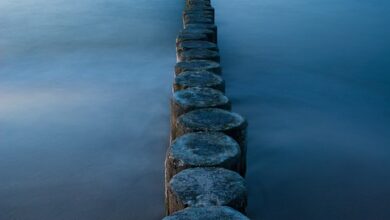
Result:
{"points": [[313, 79], [84, 89]]}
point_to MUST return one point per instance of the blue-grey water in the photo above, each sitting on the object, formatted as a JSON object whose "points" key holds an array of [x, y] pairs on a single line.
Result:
{"points": [[84, 114]]}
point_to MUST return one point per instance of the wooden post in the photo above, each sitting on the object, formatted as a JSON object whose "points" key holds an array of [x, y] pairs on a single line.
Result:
{"points": [[190, 99], [206, 187], [211, 35], [197, 2], [198, 54], [197, 20], [184, 101], [189, 17], [200, 79], [203, 13], [202, 149], [199, 9], [190, 36], [202, 26], [198, 65], [207, 213], [189, 45], [216, 120]]}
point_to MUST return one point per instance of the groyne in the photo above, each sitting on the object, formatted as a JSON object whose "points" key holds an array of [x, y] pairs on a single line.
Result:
{"points": [[205, 163]]}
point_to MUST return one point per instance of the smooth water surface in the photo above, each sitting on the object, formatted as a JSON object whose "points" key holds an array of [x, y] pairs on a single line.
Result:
{"points": [[84, 112], [313, 79]]}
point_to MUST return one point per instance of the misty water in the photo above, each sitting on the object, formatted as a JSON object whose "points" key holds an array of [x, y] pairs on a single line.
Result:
{"points": [[84, 114]]}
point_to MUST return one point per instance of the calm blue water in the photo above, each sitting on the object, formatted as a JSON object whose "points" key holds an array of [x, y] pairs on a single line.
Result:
{"points": [[84, 93], [313, 78], [84, 89]]}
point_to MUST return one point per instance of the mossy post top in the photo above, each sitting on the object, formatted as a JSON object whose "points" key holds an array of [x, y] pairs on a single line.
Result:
{"points": [[201, 79], [197, 187], [198, 65], [211, 119], [207, 213], [200, 98], [198, 54], [204, 149], [196, 44]]}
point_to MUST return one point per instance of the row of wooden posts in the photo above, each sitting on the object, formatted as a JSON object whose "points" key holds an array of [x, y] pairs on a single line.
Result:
{"points": [[206, 161]]}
